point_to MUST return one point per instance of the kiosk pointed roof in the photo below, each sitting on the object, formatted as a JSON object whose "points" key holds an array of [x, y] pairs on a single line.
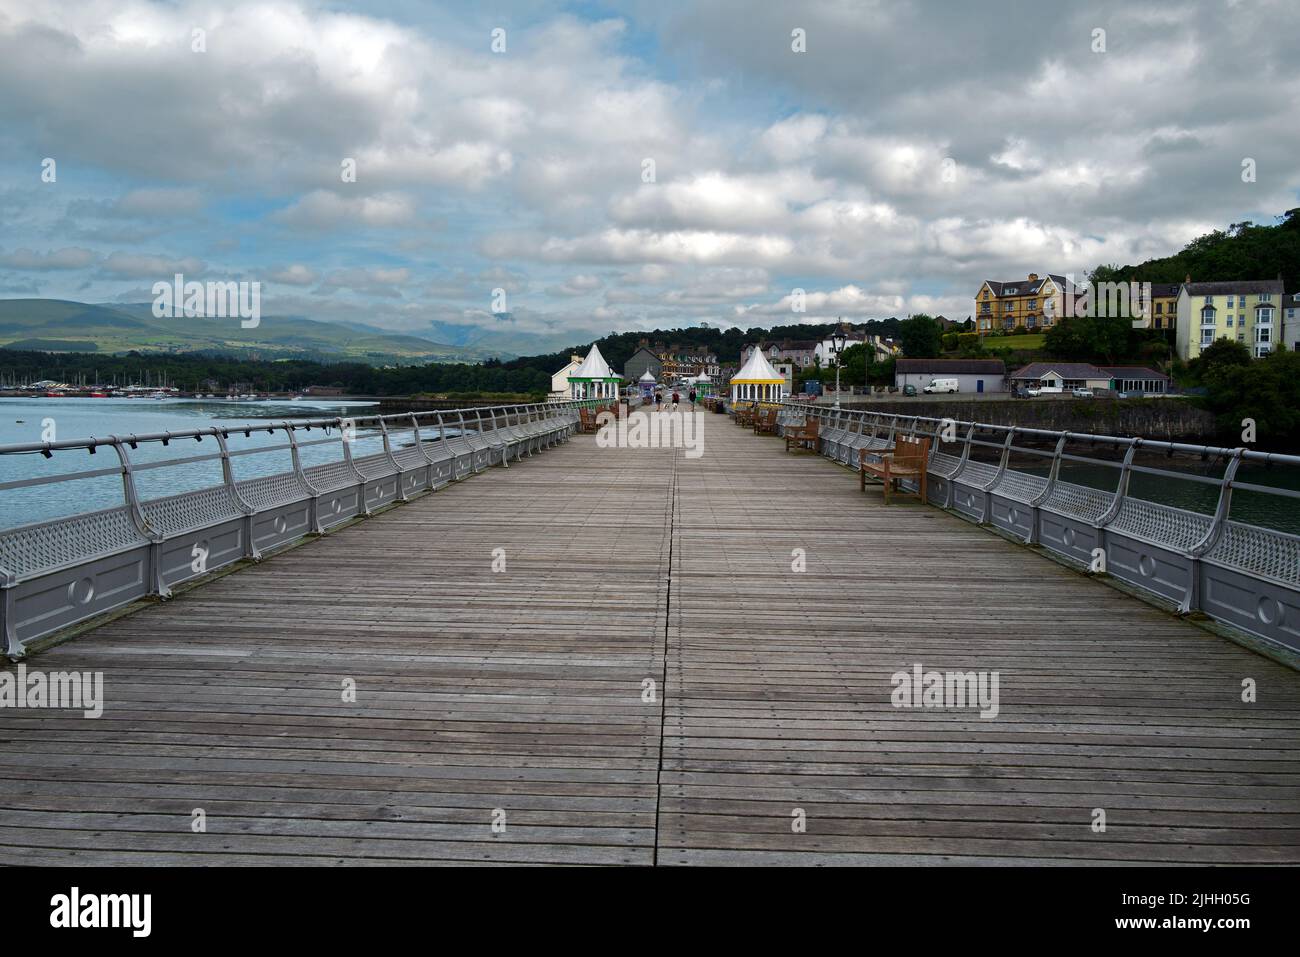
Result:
{"points": [[757, 369], [594, 367]]}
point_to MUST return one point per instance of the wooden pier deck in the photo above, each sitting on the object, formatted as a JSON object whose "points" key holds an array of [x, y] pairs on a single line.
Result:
{"points": [[521, 695]]}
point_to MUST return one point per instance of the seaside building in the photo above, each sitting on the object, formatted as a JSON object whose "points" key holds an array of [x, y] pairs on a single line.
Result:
{"points": [[560, 380], [1162, 310], [1023, 302], [1291, 322], [799, 353], [972, 375], [1249, 312], [641, 362], [594, 379], [1084, 375]]}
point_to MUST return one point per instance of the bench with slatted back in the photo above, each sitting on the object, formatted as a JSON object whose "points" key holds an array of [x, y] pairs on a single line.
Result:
{"points": [[801, 435], [587, 420], [765, 422], [908, 460], [745, 416]]}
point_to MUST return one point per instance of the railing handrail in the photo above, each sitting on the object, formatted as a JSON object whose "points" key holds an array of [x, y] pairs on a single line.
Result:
{"points": [[1120, 442], [268, 425]]}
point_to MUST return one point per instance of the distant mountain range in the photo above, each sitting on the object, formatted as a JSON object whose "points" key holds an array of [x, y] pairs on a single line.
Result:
{"points": [[56, 325], [504, 336]]}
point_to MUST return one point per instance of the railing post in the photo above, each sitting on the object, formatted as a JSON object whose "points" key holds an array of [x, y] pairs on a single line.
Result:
{"points": [[424, 453], [1117, 502], [157, 584], [1035, 504], [1192, 599], [351, 426], [243, 505], [392, 460], [442, 437], [950, 486], [313, 510], [505, 448], [464, 437], [986, 513]]}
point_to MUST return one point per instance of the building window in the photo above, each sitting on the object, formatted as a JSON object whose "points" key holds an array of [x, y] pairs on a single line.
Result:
{"points": [[1207, 336], [1264, 315], [1230, 302]]}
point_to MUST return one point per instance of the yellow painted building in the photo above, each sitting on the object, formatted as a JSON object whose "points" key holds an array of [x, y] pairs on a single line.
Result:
{"points": [[1249, 312], [1034, 303], [1163, 308]]}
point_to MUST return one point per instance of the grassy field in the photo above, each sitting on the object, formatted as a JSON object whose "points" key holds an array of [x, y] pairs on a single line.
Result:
{"points": [[1025, 343]]}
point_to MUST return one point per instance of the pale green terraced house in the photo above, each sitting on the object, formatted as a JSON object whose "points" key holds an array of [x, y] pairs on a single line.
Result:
{"points": [[1249, 312]]}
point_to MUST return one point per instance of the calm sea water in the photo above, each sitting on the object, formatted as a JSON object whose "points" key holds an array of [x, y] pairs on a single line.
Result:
{"points": [[22, 420]]}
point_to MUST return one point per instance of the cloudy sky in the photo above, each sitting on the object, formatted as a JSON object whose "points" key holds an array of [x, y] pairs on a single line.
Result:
{"points": [[910, 151]]}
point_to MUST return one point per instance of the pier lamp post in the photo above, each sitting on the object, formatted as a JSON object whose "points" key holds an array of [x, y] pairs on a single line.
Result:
{"points": [[838, 339]]}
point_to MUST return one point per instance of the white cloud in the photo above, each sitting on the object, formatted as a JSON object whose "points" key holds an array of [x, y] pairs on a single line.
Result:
{"points": [[69, 257], [321, 209], [156, 267], [294, 275]]}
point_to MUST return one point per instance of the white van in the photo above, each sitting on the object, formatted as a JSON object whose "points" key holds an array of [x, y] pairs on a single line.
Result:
{"points": [[943, 385]]}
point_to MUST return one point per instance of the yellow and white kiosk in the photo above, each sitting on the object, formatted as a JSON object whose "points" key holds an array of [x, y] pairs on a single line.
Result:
{"points": [[757, 383]]}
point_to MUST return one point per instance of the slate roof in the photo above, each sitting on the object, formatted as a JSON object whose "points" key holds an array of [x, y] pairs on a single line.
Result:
{"points": [[1251, 287]]}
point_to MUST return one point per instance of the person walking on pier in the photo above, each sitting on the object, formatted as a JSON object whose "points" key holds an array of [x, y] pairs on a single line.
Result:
{"points": [[676, 399], [691, 396], [659, 399]]}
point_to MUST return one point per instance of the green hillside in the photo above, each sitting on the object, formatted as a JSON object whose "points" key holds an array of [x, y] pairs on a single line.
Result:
{"points": [[83, 327], [1242, 251]]}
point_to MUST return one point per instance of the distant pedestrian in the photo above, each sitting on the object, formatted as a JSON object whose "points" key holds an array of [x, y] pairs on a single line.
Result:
{"points": [[676, 399], [658, 400], [692, 397]]}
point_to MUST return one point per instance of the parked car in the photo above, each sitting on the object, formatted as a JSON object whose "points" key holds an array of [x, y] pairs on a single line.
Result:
{"points": [[1081, 393], [1034, 390], [909, 390], [943, 385], [1020, 392]]}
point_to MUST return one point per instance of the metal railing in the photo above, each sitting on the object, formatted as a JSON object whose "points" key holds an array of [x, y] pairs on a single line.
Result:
{"points": [[1241, 573], [57, 573]]}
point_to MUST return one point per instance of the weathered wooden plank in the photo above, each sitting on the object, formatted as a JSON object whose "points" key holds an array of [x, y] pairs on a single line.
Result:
{"points": [[522, 690]]}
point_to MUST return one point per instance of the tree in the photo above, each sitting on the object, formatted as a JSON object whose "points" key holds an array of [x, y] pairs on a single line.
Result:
{"points": [[1217, 360], [1266, 391], [853, 364], [921, 337], [1105, 339]]}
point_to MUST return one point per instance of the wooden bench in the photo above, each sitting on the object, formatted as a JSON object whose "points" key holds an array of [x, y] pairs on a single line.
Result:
{"points": [[587, 420], [765, 422], [745, 416], [909, 459], [800, 435]]}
